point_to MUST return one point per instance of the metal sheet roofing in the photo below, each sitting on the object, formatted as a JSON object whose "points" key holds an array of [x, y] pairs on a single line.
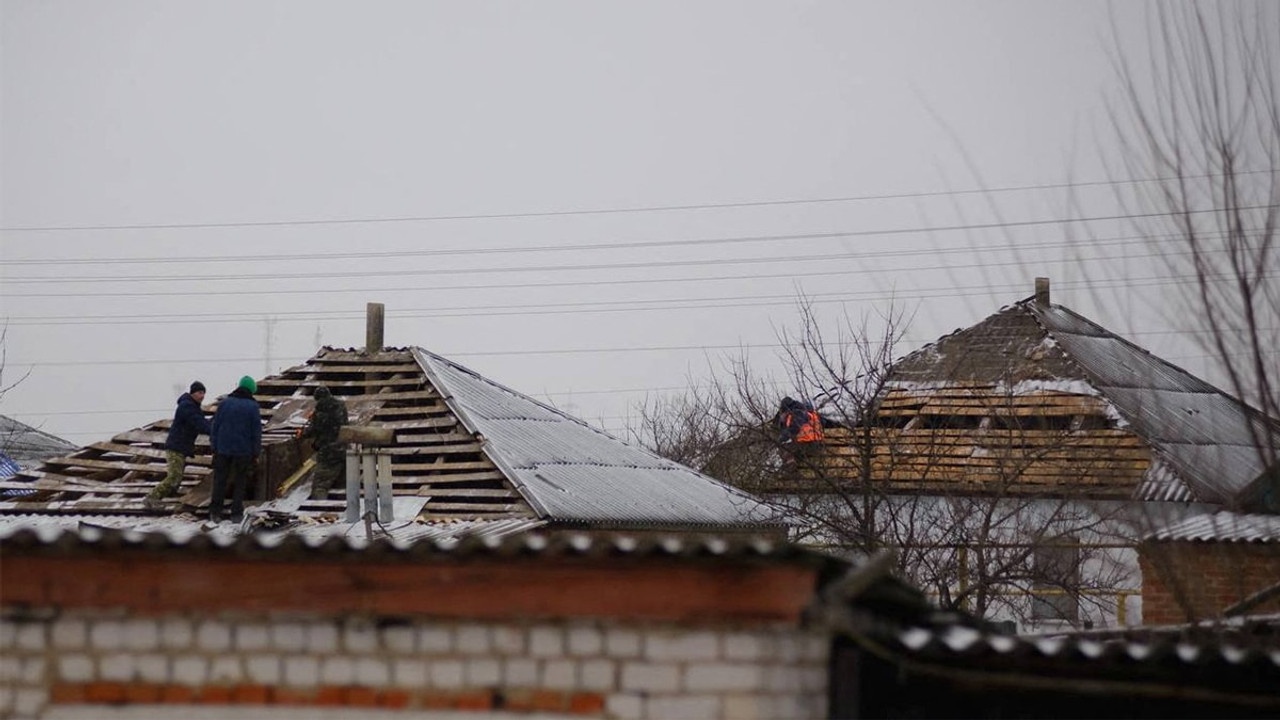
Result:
{"points": [[571, 472], [1208, 437], [1223, 527]]}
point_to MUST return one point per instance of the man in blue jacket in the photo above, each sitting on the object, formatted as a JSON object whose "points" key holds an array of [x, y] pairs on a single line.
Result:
{"points": [[236, 440], [188, 422]]}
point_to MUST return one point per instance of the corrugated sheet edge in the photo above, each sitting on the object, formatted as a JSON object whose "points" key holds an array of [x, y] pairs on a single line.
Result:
{"points": [[425, 360]]}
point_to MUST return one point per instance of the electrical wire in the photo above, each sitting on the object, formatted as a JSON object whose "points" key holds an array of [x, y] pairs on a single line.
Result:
{"points": [[1120, 241], [524, 309], [890, 232], [610, 211]]}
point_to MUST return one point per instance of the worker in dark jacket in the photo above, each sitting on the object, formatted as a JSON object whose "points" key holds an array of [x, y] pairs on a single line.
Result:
{"points": [[236, 440], [331, 456], [798, 422], [188, 422]]}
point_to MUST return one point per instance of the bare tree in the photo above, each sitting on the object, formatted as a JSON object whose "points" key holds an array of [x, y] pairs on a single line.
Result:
{"points": [[1200, 112], [994, 535], [1202, 115]]}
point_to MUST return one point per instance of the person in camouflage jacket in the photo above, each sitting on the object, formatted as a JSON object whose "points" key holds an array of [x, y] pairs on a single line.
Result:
{"points": [[331, 456]]}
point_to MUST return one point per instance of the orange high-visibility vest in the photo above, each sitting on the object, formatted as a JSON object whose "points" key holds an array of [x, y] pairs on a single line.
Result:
{"points": [[810, 429], [810, 425]]}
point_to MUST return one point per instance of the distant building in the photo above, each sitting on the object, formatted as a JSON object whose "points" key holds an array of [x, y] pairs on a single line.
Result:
{"points": [[1079, 440]]}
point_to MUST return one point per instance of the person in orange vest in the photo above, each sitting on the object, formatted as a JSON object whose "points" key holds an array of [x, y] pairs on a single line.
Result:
{"points": [[798, 422]]}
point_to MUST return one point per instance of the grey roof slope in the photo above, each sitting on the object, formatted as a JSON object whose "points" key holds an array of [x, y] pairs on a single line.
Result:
{"points": [[569, 471], [1209, 437], [26, 445], [1204, 439]]}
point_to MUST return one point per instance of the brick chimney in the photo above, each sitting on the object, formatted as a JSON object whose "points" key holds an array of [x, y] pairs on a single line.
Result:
{"points": [[1042, 291], [373, 328]]}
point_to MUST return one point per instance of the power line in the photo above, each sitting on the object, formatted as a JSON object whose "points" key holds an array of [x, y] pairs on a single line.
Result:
{"points": [[317, 314], [644, 244], [1118, 241], [629, 306], [605, 211]]}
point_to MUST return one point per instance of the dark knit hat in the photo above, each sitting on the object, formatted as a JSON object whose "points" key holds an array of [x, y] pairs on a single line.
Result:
{"points": [[249, 384], [196, 387], [323, 392]]}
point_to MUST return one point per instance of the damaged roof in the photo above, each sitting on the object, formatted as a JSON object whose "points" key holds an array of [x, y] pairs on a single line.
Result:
{"points": [[1205, 443], [465, 450]]}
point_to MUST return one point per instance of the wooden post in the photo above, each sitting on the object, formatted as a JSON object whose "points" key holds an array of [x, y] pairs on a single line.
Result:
{"points": [[373, 332]]}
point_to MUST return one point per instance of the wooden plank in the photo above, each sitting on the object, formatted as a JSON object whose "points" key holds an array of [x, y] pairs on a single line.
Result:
{"points": [[337, 384], [116, 465], [393, 356], [152, 436], [63, 478], [147, 451], [436, 438], [441, 465], [338, 369], [414, 424], [473, 492], [494, 508], [436, 480]]}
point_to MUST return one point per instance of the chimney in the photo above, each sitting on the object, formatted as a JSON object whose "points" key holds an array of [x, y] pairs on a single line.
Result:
{"points": [[1042, 291], [374, 314]]}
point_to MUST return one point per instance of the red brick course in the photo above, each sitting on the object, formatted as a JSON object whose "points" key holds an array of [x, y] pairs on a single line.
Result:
{"points": [[523, 700], [1189, 581]]}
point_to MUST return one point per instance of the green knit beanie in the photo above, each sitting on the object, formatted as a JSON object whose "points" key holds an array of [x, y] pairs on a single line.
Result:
{"points": [[248, 383]]}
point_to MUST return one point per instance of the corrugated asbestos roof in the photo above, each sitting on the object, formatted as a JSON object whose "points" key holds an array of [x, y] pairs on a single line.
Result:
{"points": [[179, 530], [1223, 527], [569, 471], [506, 544], [1205, 435], [960, 643]]}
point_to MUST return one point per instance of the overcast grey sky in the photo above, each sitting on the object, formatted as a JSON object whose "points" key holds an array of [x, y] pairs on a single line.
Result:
{"points": [[203, 190]]}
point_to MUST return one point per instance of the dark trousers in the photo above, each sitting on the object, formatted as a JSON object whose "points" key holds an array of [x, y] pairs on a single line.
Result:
{"points": [[233, 469]]}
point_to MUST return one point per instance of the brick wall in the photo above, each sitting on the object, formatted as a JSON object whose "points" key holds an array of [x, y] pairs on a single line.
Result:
{"points": [[1186, 581], [81, 660]]}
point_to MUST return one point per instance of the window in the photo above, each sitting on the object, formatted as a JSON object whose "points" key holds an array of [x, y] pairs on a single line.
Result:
{"points": [[1056, 579]]}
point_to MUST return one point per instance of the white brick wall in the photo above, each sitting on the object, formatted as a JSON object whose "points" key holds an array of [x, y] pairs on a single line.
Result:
{"points": [[644, 672]]}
